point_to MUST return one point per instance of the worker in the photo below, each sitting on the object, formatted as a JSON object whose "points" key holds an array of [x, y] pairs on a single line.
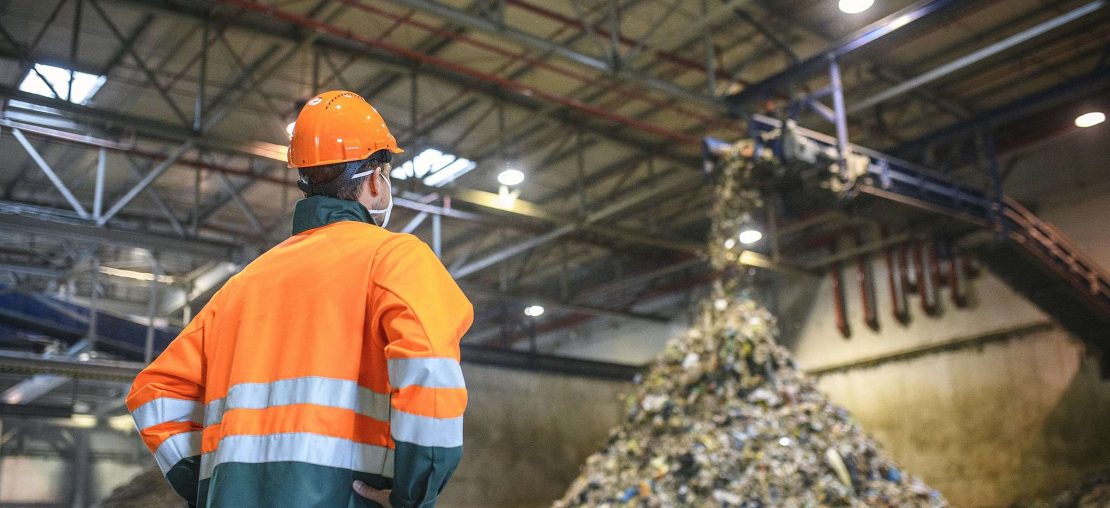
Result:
{"points": [[326, 373]]}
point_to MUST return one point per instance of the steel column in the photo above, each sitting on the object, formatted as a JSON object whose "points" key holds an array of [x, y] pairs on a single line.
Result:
{"points": [[98, 191], [841, 118], [155, 286]]}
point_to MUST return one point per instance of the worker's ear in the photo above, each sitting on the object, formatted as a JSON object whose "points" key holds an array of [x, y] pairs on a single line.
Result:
{"points": [[374, 183]]}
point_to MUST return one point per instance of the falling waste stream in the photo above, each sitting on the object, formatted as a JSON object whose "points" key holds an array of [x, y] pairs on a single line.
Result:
{"points": [[725, 418]]}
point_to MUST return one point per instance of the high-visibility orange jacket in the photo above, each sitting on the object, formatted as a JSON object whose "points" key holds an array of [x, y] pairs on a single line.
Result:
{"points": [[332, 357]]}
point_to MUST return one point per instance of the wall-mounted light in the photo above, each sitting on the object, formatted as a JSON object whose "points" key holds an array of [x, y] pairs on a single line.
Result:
{"points": [[534, 310]]}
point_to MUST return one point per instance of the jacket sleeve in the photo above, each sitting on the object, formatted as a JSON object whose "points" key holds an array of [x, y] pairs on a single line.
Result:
{"points": [[167, 403], [424, 315]]}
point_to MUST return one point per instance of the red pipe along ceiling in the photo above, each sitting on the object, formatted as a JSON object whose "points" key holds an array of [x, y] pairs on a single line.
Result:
{"points": [[460, 69]]}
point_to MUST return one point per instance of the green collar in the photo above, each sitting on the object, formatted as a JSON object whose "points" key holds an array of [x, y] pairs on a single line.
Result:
{"points": [[315, 211]]}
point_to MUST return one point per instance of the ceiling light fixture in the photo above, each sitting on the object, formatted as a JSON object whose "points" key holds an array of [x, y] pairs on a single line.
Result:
{"points": [[1090, 119], [533, 310], [750, 236], [511, 177], [855, 6]]}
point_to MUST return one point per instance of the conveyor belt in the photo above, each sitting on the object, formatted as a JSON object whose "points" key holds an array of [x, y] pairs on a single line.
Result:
{"points": [[1029, 254]]}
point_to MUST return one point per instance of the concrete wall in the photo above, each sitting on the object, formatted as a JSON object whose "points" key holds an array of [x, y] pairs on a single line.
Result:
{"points": [[527, 434], [1019, 410], [32, 472]]}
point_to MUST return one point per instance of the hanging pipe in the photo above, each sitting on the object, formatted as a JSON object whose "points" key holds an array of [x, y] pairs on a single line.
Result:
{"points": [[909, 266], [957, 280], [895, 265], [926, 275], [839, 305], [867, 288]]}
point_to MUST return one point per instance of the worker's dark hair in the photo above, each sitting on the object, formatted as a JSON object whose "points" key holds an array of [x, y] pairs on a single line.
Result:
{"points": [[317, 178]]}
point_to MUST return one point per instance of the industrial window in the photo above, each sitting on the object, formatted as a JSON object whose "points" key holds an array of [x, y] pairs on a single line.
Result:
{"points": [[436, 168], [43, 78]]}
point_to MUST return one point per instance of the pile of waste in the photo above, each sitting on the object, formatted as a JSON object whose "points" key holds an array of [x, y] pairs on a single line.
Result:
{"points": [[725, 418], [1094, 492], [148, 489]]}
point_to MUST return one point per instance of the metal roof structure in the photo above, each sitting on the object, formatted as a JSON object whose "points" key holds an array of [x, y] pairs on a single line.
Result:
{"points": [[172, 175]]}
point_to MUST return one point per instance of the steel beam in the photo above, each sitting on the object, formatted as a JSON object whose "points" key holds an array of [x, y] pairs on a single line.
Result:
{"points": [[92, 369], [507, 358], [481, 24], [977, 56], [150, 76], [288, 25], [201, 283], [1097, 81], [146, 181], [58, 183], [243, 205], [157, 199], [871, 33], [667, 185], [76, 230], [473, 289]]}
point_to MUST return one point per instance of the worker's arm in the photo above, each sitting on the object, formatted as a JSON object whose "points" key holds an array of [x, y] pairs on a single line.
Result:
{"points": [[167, 403], [424, 315]]}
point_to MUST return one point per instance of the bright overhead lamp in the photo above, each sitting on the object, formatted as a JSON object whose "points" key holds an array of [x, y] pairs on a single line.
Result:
{"points": [[510, 177], [750, 236], [289, 129], [855, 6], [730, 243], [1090, 119], [533, 310]]}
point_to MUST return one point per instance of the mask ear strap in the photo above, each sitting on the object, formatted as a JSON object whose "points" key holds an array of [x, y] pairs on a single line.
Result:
{"points": [[377, 159], [332, 186], [363, 173]]}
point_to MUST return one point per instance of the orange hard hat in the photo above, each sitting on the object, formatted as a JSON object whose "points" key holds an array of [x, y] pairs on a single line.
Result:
{"points": [[338, 126]]}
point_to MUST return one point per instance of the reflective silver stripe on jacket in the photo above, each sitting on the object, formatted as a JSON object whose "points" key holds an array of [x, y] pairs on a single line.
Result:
{"points": [[426, 430], [426, 372], [299, 447], [321, 391], [175, 448], [167, 409]]}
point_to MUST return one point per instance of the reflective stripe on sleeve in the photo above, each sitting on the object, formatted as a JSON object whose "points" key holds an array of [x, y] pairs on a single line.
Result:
{"points": [[426, 372], [299, 447], [167, 409], [321, 391], [427, 431], [175, 448]]}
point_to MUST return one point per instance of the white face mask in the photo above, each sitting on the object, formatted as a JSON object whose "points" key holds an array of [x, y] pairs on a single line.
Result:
{"points": [[388, 210]]}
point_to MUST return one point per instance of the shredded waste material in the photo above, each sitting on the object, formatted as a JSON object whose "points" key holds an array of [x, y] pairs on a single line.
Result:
{"points": [[725, 418], [1094, 492], [147, 489]]}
